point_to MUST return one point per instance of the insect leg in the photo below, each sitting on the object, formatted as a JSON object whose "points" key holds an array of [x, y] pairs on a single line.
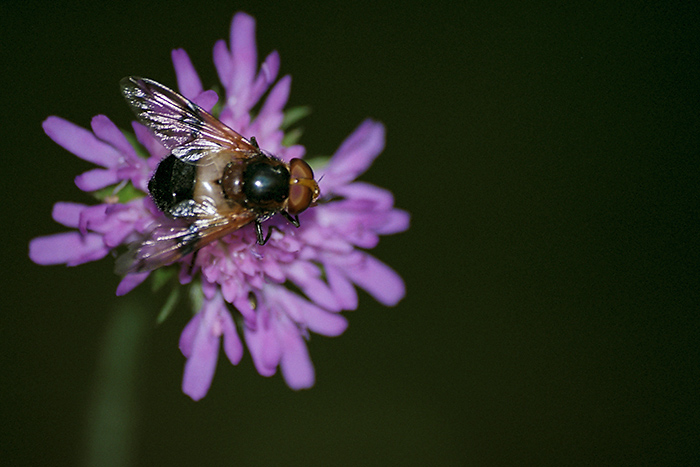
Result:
{"points": [[293, 220], [192, 261], [259, 232]]}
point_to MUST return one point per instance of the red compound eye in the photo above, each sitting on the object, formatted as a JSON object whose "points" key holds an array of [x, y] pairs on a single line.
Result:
{"points": [[303, 188]]}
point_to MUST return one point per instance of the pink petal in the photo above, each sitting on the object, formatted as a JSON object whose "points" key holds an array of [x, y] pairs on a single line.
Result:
{"points": [[68, 214], [354, 155], [342, 288], [308, 314], [93, 218], [296, 151], [96, 179], [297, 369], [201, 363], [207, 100], [273, 270], [266, 76], [233, 347], [116, 234], [130, 282], [70, 248], [271, 351], [242, 304], [323, 322], [270, 116], [264, 348], [319, 293], [397, 220], [222, 62], [244, 53], [188, 334], [188, 81], [378, 279], [381, 198], [108, 132], [80, 142], [149, 142], [306, 276]]}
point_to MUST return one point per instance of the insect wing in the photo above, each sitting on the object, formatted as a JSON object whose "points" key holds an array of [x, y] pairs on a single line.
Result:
{"points": [[181, 125], [173, 239]]}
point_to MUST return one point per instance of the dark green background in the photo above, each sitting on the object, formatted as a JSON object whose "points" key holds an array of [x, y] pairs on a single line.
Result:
{"points": [[549, 157]]}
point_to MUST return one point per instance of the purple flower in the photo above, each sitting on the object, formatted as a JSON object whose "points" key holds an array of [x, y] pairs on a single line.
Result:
{"points": [[243, 286]]}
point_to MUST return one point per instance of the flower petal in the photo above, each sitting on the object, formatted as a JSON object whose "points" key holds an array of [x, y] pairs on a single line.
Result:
{"points": [[188, 334], [242, 304], [378, 279], [306, 276], [266, 75], [117, 234], [68, 214], [297, 369], [96, 179], [130, 282], [270, 117], [70, 248], [188, 81], [381, 198], [397, 220], [149, 142], [342, 288], [108, 132], [207, 100], [244, 53], [306, 314], [354, 155], [203, 354], [321, 321], [80, 142], [233, 347], [263, 344], [222, 61], [93, 218]]}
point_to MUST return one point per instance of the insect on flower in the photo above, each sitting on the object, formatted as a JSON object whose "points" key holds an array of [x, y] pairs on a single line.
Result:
{"points": [[206, 182], [213, 182]]}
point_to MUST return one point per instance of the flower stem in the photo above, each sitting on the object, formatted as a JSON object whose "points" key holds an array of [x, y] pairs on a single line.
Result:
{"points": [[111, 419]]}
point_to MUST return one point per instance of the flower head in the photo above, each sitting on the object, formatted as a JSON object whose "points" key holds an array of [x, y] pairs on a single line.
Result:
{"points": [[273, 295]]}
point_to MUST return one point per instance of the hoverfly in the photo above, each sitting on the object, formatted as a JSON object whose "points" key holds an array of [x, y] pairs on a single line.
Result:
{"points": [[213, 182]]}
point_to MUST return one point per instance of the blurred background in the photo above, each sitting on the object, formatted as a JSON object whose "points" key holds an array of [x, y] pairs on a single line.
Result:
{"points": [[548, 155]]}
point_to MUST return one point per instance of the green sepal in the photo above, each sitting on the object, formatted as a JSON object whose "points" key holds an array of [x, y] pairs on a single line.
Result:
{"points": [[160, 277], [294, 114], [124, 194], [292, 137], [196, 296], [219, 106], [169, 305]]}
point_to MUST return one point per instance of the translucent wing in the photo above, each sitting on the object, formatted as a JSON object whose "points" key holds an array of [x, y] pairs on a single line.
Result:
{"points": [[181, 125], [173, 239]]}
